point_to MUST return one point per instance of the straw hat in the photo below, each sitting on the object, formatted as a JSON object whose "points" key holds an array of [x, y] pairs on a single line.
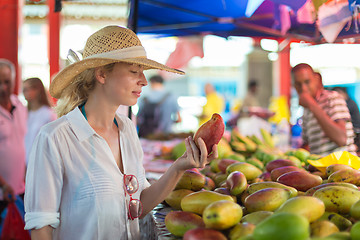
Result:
{"points": [[108, 45]]}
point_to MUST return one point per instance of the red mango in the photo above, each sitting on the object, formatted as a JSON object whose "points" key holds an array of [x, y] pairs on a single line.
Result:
{"points": [[277, 172], [211, 132], [279, 163], [204, 234], [224, 163]]}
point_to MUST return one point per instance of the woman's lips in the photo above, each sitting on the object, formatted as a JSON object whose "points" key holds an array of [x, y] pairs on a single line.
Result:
{"points": [[137, 93]]}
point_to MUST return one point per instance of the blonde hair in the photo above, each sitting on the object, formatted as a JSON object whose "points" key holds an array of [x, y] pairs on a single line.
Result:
{"points": [[78, 91]]}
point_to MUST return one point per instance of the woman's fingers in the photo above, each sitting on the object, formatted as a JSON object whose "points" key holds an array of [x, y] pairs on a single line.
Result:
{"points": [[189, 151], [214, 154], [195, 150], [204, 153]]}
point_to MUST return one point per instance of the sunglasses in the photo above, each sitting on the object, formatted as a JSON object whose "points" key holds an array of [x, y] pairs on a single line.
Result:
{"points": [[135, 206]]}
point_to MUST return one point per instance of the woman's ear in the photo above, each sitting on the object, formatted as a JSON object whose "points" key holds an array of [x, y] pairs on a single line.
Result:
{"points": [[100, 75]]}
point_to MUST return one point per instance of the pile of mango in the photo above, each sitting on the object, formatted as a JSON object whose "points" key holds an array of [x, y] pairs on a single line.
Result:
{"points": [[255, 192]]}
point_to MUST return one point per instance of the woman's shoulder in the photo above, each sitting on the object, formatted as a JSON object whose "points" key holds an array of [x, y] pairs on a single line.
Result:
{"points": [[55, 126]]}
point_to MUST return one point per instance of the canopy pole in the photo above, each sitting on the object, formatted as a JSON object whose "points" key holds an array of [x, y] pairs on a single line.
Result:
{"points": [[11, 19], [53, 37], [133, 18], [284, 70], [133, 25]]}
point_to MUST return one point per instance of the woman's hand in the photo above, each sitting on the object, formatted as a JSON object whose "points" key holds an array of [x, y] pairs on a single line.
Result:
{"points": [[195, 157], [8, 193]]}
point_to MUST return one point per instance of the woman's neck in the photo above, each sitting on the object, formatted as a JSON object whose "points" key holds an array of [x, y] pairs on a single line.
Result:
{"points": [[99, 113]]}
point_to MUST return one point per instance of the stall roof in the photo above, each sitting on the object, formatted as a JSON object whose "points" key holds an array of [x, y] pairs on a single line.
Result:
{"points": [[254, 18]]}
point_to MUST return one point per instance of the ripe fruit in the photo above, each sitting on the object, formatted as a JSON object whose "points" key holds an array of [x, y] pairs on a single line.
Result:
{"points": [[250, 171], [191, 180], [268, 199], [323, 228], [222, 215], [196, 202], [300, 180], [178, 222], [279, 163], [310, 207], [355, 231], [203, 234], [174, 198], [284, 226], [277, 172], [338, 199], [211, 132], [236, 182]]}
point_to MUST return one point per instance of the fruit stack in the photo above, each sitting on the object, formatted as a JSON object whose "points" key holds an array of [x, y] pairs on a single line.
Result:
{"points": [[255, 192]]}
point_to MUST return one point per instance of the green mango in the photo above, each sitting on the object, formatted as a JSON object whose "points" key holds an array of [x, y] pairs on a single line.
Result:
{"points": [[355, 231], [178, 150], [302, 154], [284, 226], [310, 207], [256, 217]]}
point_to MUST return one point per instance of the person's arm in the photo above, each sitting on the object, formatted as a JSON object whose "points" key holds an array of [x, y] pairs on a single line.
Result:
{"points": [[192, 158], [44, 233], [335, 130], [8, 191]]}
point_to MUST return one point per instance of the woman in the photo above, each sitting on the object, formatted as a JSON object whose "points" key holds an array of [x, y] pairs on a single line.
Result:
{"points": [[85, 178], [39, 110]]}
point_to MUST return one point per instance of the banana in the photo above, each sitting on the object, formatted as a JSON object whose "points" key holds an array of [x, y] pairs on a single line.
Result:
{"points": [[256, 140], [236, 136], [267, 138], [238, 146]]}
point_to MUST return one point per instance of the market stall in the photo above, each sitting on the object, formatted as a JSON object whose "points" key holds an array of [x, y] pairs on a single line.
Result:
{"points": [[262, 192]]}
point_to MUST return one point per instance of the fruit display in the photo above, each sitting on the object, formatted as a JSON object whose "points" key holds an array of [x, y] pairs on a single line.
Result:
{"points": [[253, 191]]}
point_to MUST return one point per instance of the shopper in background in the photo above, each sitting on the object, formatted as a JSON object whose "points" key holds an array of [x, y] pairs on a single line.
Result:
{"points": [[251, 98], [327, 123], [158, 109], [85, 178], [13, 116], [250, 101], [354, 113], [39, 110], [214, 104]]}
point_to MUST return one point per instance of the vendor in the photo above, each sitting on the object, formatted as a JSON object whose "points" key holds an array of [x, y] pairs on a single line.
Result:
{"points": [[85, 178], [327, 123]]}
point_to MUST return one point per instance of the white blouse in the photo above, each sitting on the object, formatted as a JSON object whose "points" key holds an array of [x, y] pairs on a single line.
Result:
{"points": [[37, 119], [74, 184]]}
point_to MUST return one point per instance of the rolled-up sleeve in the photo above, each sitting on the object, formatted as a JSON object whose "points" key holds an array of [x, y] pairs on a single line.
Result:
{"points": [[44, 181]]}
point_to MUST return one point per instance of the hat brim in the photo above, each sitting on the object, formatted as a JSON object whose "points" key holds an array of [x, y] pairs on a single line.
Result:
{"points": [[66, 75]]}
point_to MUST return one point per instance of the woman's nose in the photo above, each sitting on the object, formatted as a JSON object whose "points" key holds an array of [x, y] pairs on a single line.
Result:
{"points": [[143, 80]]}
